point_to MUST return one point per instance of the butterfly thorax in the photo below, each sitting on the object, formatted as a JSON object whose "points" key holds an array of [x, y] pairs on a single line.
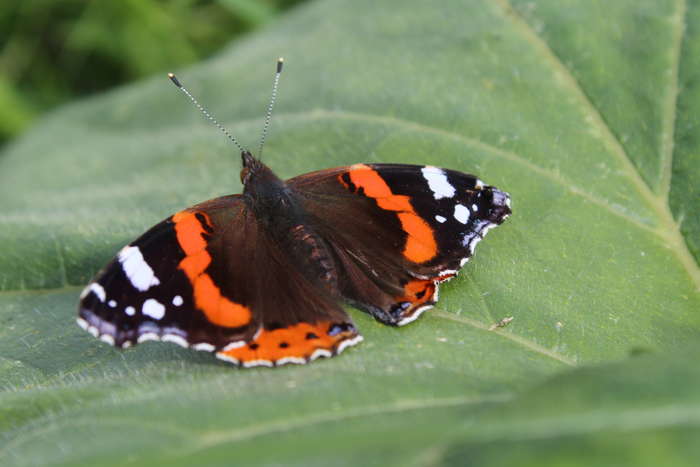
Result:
{"points": [[268, 196], [281, 215]]}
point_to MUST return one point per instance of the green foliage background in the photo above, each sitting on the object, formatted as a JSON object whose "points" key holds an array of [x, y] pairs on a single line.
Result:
{"points": [[585, 111], [53, 51]]}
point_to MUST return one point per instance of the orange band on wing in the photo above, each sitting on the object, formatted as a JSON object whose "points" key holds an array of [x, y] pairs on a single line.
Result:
{"points": [[207, 296], [418, 292], [298, 341], [420, 243]]}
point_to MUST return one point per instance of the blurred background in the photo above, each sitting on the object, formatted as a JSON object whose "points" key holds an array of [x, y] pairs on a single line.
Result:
{"points": [[54, 51]]}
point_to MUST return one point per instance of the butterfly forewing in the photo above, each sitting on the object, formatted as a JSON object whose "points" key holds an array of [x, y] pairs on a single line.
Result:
{"points": [[209, 278], [399, 229]]}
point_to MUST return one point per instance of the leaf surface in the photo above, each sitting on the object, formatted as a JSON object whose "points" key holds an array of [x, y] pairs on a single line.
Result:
{"points": [[583, 111]]}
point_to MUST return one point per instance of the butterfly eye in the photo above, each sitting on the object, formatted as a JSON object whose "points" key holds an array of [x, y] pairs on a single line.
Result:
{"points": [[244, 174]]}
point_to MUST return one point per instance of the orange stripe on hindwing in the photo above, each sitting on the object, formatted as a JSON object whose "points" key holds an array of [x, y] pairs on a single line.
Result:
{"points": [[297, 341], [420, 242], [207, 295]]}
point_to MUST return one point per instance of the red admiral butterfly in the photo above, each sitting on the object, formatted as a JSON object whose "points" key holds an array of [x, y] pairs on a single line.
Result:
{"points": [[257, 278]]}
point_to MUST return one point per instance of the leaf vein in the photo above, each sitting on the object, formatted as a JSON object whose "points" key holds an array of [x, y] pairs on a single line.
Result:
{"points": [[671, 231], [528, 344], [671, 101], [231, 436], [608, 138]]}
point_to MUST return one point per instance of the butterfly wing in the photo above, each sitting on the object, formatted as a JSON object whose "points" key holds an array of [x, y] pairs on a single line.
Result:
{"points": [[210, 278], [398, 230]]}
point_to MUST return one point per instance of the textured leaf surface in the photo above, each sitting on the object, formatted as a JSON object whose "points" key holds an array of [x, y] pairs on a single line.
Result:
{"points": [[586, 112]]}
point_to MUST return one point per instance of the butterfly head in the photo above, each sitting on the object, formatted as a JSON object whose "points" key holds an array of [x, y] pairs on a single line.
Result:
{"points": [[259, 182], [251, 165]]}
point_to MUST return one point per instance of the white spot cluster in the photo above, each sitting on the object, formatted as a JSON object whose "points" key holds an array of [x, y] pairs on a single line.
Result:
{"points": [[136, 269], [438, 183], [149, 334]]}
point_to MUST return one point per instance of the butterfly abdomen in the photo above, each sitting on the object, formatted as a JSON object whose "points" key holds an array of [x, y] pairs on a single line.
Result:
{"points": [[313, 256]]}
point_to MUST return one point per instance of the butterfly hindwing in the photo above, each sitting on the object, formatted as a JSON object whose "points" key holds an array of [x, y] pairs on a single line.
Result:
{"points": [[398, 230]]}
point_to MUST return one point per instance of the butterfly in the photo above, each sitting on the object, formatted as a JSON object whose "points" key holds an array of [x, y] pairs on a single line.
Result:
{"points": [[259, 278]]}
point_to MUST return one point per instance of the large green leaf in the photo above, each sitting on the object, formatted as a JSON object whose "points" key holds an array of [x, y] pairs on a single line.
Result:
{"points": [[584, 111], [645, 412]]}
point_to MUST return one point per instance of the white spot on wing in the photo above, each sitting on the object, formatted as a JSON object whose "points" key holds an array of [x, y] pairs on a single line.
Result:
{"points": [[82, 323], [107, 338], [414, 316], [177, 300], [112, 304], [320, 353], [174, 338], [440, 219], [474, 242], [97, 289], [234, 345], [487, 227], [252, 363], [153, 308], [130, 310], [227, 358], [461, 213], [349, 343], [438, 183], [148, 336], [136, 269], [447, 272], [204, 347], [294, 360]]}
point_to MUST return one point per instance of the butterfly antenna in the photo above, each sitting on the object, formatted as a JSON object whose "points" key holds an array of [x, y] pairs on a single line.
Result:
{"points": [[280, 62], [177, 83]]}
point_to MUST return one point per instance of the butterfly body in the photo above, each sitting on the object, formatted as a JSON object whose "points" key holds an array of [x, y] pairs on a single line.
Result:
{"points": [[259, 278]]}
